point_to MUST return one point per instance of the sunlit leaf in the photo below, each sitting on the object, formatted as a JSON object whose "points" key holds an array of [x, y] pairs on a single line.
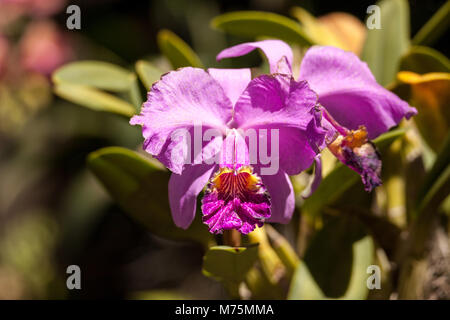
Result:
{"points": [[262, 24], [94, 99], [335, 263], [177, 51], [430, 94], [229, 264], [98, 74], [338, 181], [91, 77], [435, 27], [424, 60], [315, 30], [148, 73], [140, 187], [384, 47]]}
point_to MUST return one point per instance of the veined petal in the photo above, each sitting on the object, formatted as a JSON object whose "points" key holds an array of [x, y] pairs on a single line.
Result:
{"points": [[275, 99], [183, 192], [282, 112], [274, 50], [349, 91], [234, 150], [233, 81], [185, 99]]}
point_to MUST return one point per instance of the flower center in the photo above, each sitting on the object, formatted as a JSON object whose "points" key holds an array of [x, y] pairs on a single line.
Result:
{"points": [[235, 199]]}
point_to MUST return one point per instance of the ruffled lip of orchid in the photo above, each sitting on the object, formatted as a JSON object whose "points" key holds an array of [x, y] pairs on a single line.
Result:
{"points": [[235, 199]]}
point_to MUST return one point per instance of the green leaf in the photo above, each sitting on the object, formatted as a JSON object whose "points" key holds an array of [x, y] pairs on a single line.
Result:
{"points": [[261, 24], [229, 264], [139, 185], [98, 74], [148, 73], [94, 99], [423, 60], [90, 77], [435, 27], [177, 51], [338, 181], [384, 47], [335, 263], [436, 185]]}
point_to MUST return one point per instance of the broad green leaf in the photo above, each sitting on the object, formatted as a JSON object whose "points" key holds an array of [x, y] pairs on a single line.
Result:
{"points": [[140, 187], [363, 256], [303, 286], [229, 264], [335, 263], [98, 74], [94, 99], [435, 27], [384, 47], [430, 94], [338, 181], [424, 60], [436, 185], [262, 24], [177, 51], [148, 73]]}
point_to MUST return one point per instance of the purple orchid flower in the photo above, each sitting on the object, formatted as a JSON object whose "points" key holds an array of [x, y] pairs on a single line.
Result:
{"points": [[355, 107], [228, 103]]}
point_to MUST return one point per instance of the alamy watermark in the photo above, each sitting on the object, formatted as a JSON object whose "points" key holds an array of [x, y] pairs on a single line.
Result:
{"points": [[250, 146], [374, 280], [74, 20], [74, 280], [374, 19]]}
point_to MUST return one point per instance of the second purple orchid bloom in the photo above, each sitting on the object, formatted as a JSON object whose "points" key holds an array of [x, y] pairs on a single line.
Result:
{"points": [[336, 103]]}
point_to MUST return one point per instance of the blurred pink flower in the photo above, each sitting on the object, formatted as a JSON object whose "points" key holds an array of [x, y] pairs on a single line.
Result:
{"points": [[43, 47], [4, 48], [37, 7]]}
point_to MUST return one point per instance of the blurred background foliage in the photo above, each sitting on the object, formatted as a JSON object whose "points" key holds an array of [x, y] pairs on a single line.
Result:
{"points": [[77, 189]]}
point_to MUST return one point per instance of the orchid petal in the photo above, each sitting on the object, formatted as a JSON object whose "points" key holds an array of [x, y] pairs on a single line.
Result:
{"points": [[186, 99], [233, 81], [274, 50], [282, 197], [183, 192], [317, 176], [349, 91], [279, 102], [234, 150]]}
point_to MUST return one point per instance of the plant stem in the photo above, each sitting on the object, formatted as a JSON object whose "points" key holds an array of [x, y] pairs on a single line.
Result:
{"points": [[232, 238]]}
